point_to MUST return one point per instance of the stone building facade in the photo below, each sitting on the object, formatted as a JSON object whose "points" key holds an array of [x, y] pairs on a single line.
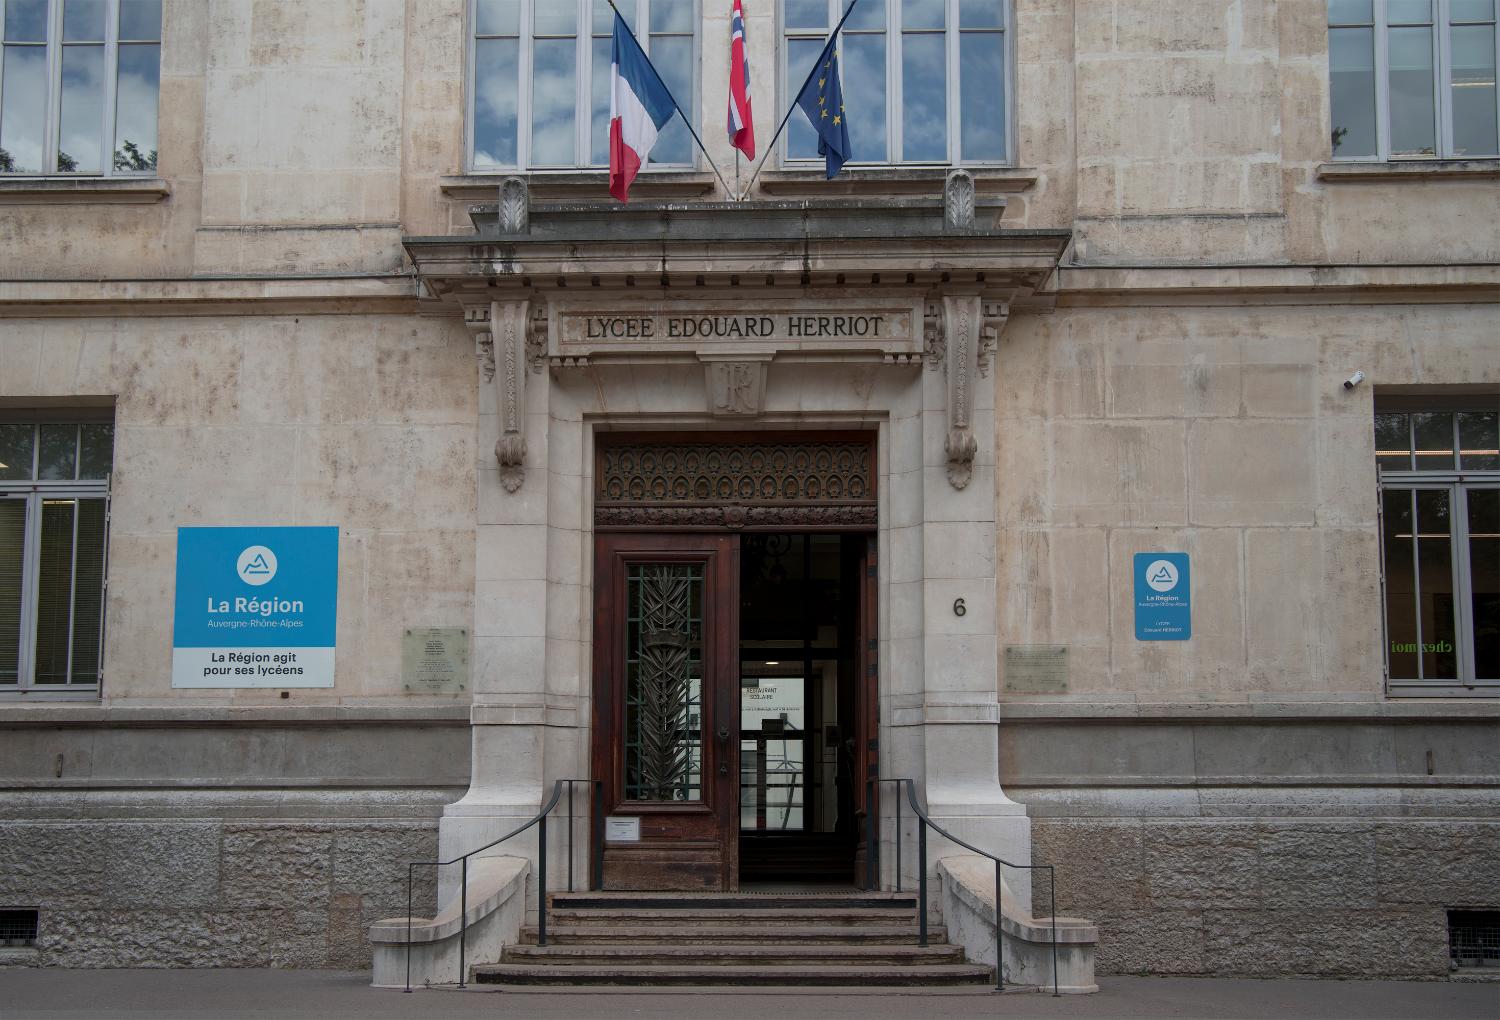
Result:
{"points": [[1126, 329]]}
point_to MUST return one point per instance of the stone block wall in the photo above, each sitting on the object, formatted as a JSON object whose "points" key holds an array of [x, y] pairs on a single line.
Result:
{"points": [[1224, 432], [212, 892], [1260, 897]]}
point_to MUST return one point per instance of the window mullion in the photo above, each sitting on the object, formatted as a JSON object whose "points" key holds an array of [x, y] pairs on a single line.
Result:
{"points": [[50, 131], [583, 84], [1382, 85], [471, 79], [954, 95], [104, 589], [1008, 81], [1416, 574], [1385, 605], [523, 88], [1463, 583], [31, 547], [111, 63], [695, 95], [72, 596], [895, 82], [1442, 91]]}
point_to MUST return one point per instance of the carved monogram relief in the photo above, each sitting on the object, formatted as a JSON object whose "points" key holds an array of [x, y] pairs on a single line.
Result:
{"points": [[736, 388]]}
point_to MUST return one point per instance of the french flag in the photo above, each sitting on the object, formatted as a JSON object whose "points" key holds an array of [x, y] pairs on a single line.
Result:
{"points": [[639, 107], [741, 120]]}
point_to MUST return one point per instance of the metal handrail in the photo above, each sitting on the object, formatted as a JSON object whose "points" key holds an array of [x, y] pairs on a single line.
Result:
{"points": [[596, 876], [925, 823]]}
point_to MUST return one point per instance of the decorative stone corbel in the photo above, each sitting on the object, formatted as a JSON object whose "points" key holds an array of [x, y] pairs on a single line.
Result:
{"points": [[934, 344], [962, 325], [477, 319], [508, 324], [995, 315], [536, 336]]}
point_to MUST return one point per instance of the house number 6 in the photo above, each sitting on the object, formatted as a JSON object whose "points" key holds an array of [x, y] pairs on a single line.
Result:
{"points": [[959, 609]]}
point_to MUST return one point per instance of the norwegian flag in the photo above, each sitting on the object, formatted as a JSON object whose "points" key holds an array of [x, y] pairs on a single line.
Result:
{"points": [[741, 120]]}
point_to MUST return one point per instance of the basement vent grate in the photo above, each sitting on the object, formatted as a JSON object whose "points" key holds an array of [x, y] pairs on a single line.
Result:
{"points": [[1474, 938], [18, 927]]}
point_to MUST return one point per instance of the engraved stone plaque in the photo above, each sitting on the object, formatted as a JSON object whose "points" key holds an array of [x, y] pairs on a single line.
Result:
{"points": [[1036, 669], [435, 660], [890, 326]]}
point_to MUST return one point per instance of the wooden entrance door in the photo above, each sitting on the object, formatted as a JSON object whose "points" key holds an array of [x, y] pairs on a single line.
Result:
{"points": [[666, 708]]}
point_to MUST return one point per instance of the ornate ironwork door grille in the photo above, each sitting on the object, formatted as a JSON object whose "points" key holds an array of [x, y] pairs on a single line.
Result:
{"points": [[756, 481]]}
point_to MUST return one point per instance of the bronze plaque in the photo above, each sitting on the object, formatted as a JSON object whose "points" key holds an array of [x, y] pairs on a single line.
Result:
{"points": [[1036, 669], [435, 660]]}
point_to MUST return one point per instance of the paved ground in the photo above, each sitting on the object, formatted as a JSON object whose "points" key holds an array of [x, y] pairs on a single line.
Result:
{"points": [[330, 995]]}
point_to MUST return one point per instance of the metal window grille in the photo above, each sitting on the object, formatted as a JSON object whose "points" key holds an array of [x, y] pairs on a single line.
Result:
{"points": [[1474, 938], [18, 927]]}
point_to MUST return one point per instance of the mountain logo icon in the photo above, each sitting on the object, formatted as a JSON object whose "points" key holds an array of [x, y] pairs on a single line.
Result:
{"points": [[256, 565], [1162, 576]]}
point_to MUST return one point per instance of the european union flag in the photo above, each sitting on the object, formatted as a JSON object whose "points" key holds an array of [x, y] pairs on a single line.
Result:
{"points": [[822, 99]]}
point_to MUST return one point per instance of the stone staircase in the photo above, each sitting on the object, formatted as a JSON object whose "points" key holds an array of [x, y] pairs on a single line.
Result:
{"points": [[837, 939]]}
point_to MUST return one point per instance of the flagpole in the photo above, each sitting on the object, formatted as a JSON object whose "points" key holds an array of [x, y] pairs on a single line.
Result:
{"points": [[685, 119], [782, 126]]}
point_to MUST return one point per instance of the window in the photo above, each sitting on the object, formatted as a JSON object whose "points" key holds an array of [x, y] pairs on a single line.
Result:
{"points": [[78, 86], [1440, 546], [54, 513], [17, 928], [539, 96], [925, 81], [1410, 79]]}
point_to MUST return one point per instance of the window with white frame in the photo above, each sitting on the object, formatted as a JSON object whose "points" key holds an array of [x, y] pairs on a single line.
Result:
{"points": [[539, 87], [1440, 544], [925, 81], [1413, 79], [79, 81], [54, 514]]}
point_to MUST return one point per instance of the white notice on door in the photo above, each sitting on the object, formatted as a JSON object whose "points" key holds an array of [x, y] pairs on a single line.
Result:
{"points": [[622, 829]]}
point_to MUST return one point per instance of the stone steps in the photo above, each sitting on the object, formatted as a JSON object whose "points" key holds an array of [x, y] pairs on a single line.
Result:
{"points": [[723, 955], [834, 939], [727, 918], [768, 975], [808, 934]]}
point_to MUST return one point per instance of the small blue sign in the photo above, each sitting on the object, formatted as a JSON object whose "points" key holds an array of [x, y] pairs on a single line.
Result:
{"points": [[256, 607], [1163, 597]]}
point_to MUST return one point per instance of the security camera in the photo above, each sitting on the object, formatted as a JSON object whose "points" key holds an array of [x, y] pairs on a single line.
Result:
{"points": [[1354, 380]]}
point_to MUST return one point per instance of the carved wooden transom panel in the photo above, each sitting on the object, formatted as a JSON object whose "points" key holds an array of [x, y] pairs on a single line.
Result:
{"points": [[754, 484]]}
